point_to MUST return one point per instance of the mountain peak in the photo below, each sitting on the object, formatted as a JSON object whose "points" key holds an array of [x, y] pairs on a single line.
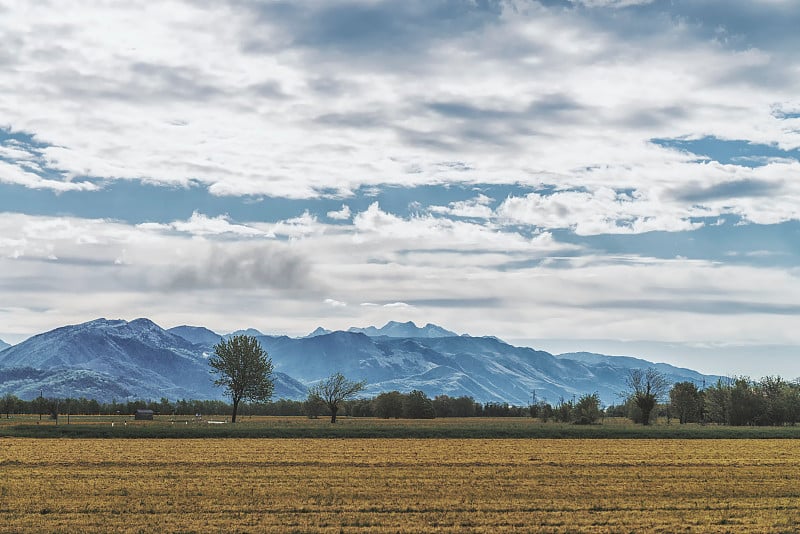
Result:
{"points": [[199, 335], [407, 329], [252, 332], [3, 345], [319, 331]]}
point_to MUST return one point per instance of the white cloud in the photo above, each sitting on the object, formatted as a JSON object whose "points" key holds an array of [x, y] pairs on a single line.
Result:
{"points": [[298, 227], [335, 303], [477, 207], [15, 174], [202, 225], [612, 3], [603, 211], [401, 305], [343, 214], [250, 112], [282, 99]]}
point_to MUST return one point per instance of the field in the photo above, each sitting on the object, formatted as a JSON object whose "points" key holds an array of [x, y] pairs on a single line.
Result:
{"points": [[301, 427], [398, 485]]}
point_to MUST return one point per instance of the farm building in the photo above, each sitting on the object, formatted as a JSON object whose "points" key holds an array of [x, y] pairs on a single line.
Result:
{"points": [[144, 415]]}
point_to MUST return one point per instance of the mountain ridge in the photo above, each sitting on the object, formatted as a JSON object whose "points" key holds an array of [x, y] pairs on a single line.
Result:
{"points": [[105, 358], [407, 329]]}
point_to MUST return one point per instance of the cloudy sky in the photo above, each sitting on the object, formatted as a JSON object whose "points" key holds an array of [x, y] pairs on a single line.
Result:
{"points": [[608, 175]]}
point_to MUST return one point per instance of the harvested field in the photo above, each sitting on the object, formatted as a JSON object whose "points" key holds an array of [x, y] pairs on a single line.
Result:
{"points": [[398, 485]]}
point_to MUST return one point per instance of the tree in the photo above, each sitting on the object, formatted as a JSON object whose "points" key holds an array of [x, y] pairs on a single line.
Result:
{"points": [[747, 404], [443, 406], [10, 404], [687, 402], [417, 405], [646, 388], [717, 403], [586, 410], [333, 390], [388, 405], [463, 406], [244, 369]]}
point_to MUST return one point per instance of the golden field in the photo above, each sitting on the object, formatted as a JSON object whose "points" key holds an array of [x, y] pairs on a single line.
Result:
{"points": [[399, 485]]}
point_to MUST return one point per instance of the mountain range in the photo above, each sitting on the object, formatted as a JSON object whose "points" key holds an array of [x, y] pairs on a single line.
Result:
{"points": [[3, 345], [115, 359]]}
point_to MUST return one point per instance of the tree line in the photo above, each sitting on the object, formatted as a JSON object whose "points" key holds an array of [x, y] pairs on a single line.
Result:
{"points": [[414, 404], [741, 401], [244, 370], [737, 401]]}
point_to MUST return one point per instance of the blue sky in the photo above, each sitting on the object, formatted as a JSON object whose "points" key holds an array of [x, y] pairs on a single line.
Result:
{"points": [[610, 175]]}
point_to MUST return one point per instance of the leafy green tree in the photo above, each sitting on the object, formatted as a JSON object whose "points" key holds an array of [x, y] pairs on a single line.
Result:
{"points": [[563, 411], [359, 408], [443, 406], [686, 401], [780, 400], [313, 406], [388, 405], [333, 390], [646, 387], [244, 369], [463, 406], [417, 405], [747, 405], [717, 403], [587, 410]]}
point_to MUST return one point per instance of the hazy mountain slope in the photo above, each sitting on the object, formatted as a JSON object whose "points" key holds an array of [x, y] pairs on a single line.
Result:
{"points": [[628, 362], [104, 359], [252, 332], [408, 329], [319, 331], [198, 335], [3, 345]]}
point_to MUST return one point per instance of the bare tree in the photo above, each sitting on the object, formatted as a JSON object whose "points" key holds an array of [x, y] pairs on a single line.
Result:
{"points": [[244, 370], [646, 387], [333, 390]]}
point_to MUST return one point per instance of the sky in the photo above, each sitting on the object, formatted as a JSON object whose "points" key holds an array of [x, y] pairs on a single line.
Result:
{"points": [[618, 176]]}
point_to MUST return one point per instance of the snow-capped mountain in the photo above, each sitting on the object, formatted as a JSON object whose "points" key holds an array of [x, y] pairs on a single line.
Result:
{"points": [[105, 359], [138, 355], [409, 329]]}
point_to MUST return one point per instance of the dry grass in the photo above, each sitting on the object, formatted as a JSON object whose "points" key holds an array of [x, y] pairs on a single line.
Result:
{"points": [[398, 485]]}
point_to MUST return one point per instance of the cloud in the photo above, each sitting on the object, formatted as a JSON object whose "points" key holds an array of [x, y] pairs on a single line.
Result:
{"points": [[475, 208], [202, 225], [341, 215], [335, 303], [602, 211], [552, 109], [561, 91], [253, 267], [612, 3], [16, 174], [425, 232], [396, 305]]}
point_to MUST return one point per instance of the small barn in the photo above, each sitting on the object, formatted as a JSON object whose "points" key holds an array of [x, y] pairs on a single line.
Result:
{"points": [[143, 415]]}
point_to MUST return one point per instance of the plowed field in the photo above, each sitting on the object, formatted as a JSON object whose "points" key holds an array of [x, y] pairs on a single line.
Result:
{"points": [[399, 485]]}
